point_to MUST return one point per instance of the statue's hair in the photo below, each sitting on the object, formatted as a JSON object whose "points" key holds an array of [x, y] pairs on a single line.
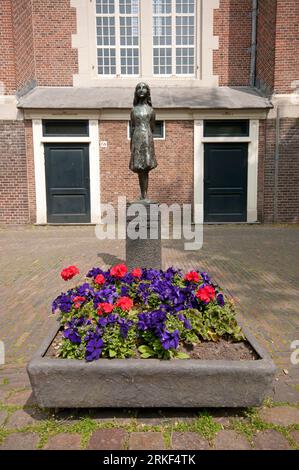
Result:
{"points": [[148, 99]]}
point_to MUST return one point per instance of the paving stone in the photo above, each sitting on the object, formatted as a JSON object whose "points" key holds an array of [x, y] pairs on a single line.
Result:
{"points": [[295, 436], [21, 418], [270, 440], [24, 398], [20, 441], [108, 439], [3, 395], [231, 440], [64, 441], [3, 416], [146, 441], [281, 415], [188, 441], [223, 421]]}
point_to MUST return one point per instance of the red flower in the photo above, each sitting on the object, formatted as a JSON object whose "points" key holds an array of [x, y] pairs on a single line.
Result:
{"points": [[119, 270], [99, 279], [137, 272], [69, 273], [206, 293], [104, 307], [78, 300], [125, 303], [192, 276]]}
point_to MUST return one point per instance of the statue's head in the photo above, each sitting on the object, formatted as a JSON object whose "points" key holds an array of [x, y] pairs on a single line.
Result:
{"points": [[142, 91]]}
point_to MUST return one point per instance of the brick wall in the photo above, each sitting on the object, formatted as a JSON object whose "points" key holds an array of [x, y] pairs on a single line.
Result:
{"points": [[7, 61], [171, 182], [288, 172], [287, 45], [265, 57], [23, 39], [232, 23], [13, 174], [54, 24]]}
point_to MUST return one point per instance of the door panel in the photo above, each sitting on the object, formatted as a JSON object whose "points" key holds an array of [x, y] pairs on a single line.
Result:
{"points": [[67, 179], [225, 182]]}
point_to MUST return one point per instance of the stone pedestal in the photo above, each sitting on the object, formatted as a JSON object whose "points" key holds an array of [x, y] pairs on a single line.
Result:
{"points": [[143, 235]]}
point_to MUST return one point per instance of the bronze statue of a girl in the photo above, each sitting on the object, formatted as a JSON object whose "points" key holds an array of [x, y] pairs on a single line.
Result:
{"points": [[142, 143]]}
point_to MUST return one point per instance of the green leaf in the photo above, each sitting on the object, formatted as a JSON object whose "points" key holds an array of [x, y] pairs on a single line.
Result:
{"points": [[182, 355], [146, 355], [145, 350], [112, 353]]}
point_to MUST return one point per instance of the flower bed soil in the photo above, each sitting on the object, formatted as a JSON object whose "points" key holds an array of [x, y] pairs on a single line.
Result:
{"points": [[206, 350]]}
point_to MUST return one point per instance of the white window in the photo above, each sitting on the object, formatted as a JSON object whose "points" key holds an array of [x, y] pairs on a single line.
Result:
{"points": [[174, 37], [117, 37], [123, 36]]}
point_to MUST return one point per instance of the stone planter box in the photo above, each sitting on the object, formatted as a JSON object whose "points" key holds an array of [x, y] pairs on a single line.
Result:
{"points": [[70, 383]]}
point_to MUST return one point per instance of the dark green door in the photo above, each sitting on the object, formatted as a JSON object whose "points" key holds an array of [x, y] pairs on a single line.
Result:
{"points": [[225, 182], [67, 180]]}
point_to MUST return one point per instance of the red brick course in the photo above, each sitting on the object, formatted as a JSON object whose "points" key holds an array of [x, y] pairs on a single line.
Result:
{"points": [[232, 23], [287, 46], [55, 60], [288, 172], [13, 174], [7, 60], [265, 57], [171, 182], [23, 40]]}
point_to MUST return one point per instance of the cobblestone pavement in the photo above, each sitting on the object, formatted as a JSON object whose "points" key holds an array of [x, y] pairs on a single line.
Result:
{"points": [[257, 265]]}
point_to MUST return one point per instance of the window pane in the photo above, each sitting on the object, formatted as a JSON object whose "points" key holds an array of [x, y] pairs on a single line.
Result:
{"points": [[57, 127], [106, 61], [162, 37], [185, 29], [129, 36], [105, 6], [129, 61], [174, 30], [126, 48], [226, 128]]}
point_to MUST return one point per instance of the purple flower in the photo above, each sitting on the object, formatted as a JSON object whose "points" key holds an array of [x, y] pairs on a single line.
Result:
{"points": [[124, 326], [63, 302], [73, 335], [107, 294], [206, 278], [94, 272], [94, 347], [220, 299], [170, 340], [187, 323]]}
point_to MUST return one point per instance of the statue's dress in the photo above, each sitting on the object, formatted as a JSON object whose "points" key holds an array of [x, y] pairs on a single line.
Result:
{"points": [[142, 142]]}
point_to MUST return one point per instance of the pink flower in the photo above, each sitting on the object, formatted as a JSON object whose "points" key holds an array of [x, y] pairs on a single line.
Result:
{"points": [[192, 276], [69, 273], [206, 294], [99, 279], [104, 307], [119, 270], [137, 272], [125, 303]]}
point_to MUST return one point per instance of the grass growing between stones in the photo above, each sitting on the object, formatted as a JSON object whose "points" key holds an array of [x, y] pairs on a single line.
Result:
{"points": [[253, 423], [249, 424], [204, 425]]}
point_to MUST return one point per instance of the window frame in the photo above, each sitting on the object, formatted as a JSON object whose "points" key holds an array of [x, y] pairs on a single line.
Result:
{"points": [[117, 45], [173, 47], [146, 60], [62, 122]]}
